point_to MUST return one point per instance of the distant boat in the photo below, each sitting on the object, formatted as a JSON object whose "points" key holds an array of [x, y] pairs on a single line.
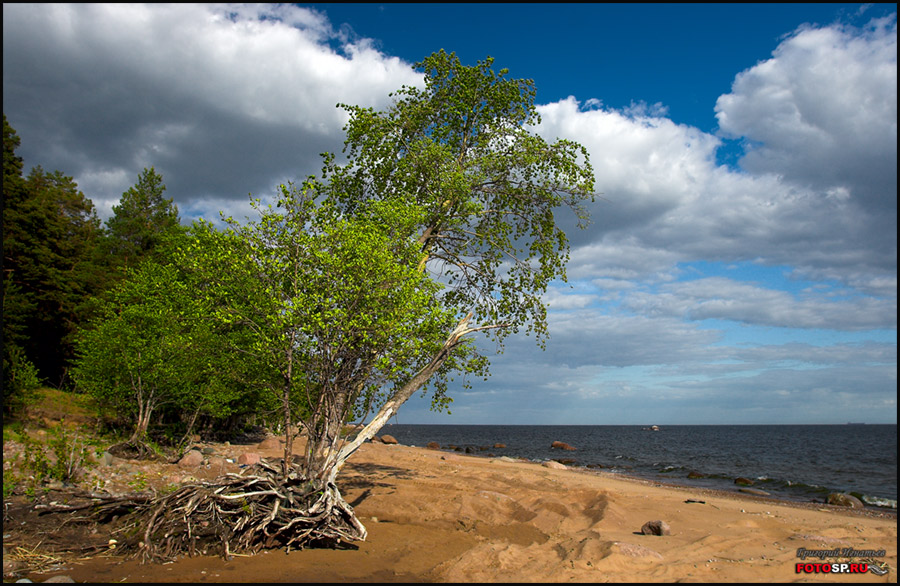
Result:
{"points": [[652, 428]]}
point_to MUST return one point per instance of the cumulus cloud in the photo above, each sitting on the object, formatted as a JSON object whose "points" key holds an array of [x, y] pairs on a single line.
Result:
{"points": [[823, 112], [221, 99], [817, 189]]}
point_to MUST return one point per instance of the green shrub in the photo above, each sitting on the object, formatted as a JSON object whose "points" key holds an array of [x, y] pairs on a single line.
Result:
{"points": [[20, 381]]}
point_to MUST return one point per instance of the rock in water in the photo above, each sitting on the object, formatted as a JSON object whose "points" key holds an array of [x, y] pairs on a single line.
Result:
{"points": [[562, 446]]}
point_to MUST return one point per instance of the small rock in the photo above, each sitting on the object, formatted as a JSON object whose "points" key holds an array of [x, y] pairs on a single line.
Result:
{"points": [[656, 528], [248, 459], [389, 439], [743, 481], [499, 446], [433, 446], [107, 459], [693, 474], [60, 578], [208, 451]]}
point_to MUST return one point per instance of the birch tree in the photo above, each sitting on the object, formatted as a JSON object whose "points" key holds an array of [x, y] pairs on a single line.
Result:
{"points": [[487, 191], [369, 284]]}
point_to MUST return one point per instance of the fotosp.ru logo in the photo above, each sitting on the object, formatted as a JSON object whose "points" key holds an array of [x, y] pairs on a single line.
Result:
{"points": [[861, 567]]}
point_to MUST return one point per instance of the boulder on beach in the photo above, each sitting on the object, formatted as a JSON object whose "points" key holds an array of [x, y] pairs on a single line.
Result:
{"points": [[389, 439], [270, 443], [842, 499], [191, 460], [248, 459], [740, 480], [433, 446]]}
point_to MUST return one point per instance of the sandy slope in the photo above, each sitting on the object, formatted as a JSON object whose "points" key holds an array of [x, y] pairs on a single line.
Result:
{"points": [[444, 517]]}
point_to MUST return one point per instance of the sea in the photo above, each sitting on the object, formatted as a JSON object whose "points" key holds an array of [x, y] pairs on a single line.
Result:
{"points": [[793, 462]]}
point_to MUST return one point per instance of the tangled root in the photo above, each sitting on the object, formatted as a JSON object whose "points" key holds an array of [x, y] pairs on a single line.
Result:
{"points": [[240, 513]]}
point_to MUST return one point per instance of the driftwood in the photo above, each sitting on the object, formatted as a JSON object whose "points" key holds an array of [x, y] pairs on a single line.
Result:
{"points": [[233, 514]]}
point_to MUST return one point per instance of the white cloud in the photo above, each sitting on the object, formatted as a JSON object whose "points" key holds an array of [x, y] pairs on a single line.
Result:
{"points": [[823, 112]]}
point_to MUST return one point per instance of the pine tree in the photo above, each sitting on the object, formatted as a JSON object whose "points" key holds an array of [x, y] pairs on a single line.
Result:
{"points": [[141, 221]]}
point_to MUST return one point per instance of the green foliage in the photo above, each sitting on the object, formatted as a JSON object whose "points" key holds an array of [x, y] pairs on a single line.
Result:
{"points": [[68, 449], [150, 347], [486, 189], [135, 354], [20, 380], [331, 306], [65, 466], [10, 482]]}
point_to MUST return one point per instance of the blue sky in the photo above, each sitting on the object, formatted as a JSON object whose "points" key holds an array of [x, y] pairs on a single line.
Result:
{"points": [[741, 266]]}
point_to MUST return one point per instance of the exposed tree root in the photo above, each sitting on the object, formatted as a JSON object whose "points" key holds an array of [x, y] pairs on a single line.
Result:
{"points": [[236, 513]]}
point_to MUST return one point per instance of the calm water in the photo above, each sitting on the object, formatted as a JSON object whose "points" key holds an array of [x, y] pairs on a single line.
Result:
{"points": [[797, 462]]}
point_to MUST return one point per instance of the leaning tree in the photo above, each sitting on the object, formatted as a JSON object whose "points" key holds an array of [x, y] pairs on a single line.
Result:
{"points": [[366, 285]]}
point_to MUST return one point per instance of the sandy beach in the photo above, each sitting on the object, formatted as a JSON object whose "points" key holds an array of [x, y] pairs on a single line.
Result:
{"points": [[437, 516]]}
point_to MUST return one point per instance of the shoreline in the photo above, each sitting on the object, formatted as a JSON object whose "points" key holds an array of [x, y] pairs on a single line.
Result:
{"points": [[888, 511], [436, 516], [631, 450]]}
